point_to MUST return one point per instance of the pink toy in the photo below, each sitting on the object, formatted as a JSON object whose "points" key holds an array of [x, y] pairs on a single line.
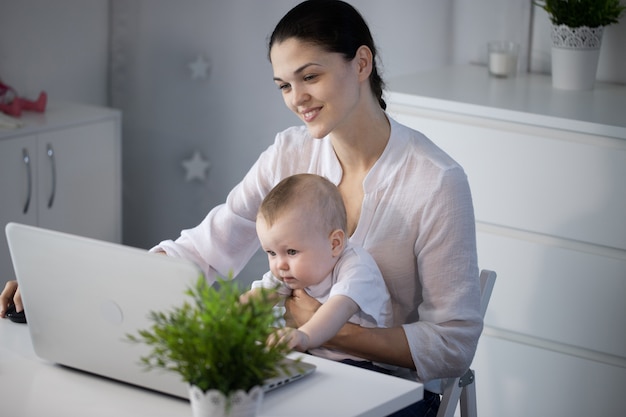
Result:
{"points": [[12, 104]]}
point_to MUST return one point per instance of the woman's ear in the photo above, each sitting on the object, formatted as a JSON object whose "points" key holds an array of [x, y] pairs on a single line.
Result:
{"points": [[364, 62], [337, 241]]}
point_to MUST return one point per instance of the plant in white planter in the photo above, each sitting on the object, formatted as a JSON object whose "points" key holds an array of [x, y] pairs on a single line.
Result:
{"points": [[577, 28], [217, 345]]}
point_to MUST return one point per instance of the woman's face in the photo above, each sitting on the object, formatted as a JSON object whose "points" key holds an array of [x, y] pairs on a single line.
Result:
{"points": [[300, 254], [321, 87]]}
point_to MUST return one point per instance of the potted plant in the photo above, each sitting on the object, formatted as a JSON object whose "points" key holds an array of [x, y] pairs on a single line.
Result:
{"points": [[577, 28], [217, 346]]}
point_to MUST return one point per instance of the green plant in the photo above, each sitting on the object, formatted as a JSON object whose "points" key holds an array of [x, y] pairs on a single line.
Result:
{"points": [[576, 13], [214, 341]]}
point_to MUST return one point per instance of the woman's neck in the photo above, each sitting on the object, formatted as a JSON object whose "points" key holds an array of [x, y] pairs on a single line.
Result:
{"points": [[359, 145]]}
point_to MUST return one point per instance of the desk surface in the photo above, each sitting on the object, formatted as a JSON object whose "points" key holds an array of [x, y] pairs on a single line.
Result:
{"points": [[33, 387]]}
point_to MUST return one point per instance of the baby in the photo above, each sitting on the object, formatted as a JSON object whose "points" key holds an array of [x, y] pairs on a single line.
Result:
{"points": [[301, 224]]}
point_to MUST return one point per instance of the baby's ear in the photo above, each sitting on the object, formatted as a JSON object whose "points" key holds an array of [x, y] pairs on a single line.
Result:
{"points": [[337, 241]]}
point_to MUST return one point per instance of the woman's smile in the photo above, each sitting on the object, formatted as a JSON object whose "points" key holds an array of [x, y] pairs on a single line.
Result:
{"points": [[308, 115]]}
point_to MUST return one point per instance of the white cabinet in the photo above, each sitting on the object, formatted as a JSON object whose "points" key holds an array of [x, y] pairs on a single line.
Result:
{"points": [[547, 170], [62, 170]]}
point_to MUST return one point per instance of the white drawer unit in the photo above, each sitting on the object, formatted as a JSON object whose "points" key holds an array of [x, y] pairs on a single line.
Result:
{"points": [[547, 170], [62, 170]]}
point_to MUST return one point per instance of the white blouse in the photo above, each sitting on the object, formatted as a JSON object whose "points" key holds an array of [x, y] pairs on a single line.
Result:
{"points": [[417, 221]]}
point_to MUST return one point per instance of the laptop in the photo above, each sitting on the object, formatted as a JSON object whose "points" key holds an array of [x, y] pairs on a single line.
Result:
{"points": [[83, 296]]}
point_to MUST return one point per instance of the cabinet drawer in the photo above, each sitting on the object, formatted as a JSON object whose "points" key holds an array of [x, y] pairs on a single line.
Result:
{"points": [[517, 380], [548, 181], [555, 293]]}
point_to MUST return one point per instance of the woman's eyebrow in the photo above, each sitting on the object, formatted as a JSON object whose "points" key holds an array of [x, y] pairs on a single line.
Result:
{"points": [[299, 70]]}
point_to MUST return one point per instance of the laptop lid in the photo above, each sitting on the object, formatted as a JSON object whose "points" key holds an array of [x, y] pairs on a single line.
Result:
{"points": [[83, 296]]}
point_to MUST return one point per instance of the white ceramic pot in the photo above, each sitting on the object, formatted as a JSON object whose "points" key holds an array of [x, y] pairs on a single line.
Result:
{"points": [[215, 404], [575, 53]]}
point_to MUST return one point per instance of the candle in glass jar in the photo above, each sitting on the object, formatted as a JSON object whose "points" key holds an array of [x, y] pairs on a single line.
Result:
{"points": [[502, 58], [501, 63]]}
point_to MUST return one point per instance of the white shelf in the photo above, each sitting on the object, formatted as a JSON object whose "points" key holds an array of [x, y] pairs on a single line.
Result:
{"points": [[527, 99], [59, 115]]}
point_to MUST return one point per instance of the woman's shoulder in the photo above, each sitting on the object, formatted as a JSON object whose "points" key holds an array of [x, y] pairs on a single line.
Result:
{"points": [[298, 139], [416, 145], [294, 135]]}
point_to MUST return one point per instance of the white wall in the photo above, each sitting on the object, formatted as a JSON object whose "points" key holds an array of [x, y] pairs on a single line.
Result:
{"points": [[57, 46], [63, 47]]}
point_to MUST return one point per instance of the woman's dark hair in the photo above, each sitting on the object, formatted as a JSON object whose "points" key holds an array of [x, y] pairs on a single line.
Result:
{"points": [[333, 25]]}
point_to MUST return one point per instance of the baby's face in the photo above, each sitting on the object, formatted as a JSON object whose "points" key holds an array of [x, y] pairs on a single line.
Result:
{"points": [[299, 253]]}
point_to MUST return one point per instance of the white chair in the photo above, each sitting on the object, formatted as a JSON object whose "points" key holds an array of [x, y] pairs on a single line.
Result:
{"points": [[463, 389]]}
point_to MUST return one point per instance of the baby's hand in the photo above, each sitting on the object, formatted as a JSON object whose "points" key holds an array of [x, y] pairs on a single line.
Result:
{"points": [[243, 298], [294, 338]]}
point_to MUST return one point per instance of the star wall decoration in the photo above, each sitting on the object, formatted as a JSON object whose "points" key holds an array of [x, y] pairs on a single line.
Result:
{"points": [[199, 68], [196, 167]]}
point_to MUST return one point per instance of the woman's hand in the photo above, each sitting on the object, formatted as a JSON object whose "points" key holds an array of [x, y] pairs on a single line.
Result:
{"points": [[9, 296], [299, 307]]}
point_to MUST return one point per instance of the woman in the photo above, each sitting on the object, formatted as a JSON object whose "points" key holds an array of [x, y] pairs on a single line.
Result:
{"points": [[407, 202]]}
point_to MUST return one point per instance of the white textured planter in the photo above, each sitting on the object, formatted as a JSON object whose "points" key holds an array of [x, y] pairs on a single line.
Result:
{"points": [[214, 404], [575, 53]]}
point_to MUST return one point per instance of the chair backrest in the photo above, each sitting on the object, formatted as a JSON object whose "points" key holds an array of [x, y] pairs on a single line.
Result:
{"points": [[487, 281], [463, 388]]}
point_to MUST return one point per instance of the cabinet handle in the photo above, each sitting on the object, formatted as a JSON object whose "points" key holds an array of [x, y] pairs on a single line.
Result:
{"points": [[50, 153], [29, 176]]}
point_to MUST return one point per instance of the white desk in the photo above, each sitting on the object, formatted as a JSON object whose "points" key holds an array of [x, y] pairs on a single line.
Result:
{"points": [[31, 387]]}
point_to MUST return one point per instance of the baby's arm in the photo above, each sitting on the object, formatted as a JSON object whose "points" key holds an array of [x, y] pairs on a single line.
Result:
{"points": [[324, 324]]}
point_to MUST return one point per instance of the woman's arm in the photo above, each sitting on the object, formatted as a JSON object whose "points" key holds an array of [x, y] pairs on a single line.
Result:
{"points": [[388, 345]]}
